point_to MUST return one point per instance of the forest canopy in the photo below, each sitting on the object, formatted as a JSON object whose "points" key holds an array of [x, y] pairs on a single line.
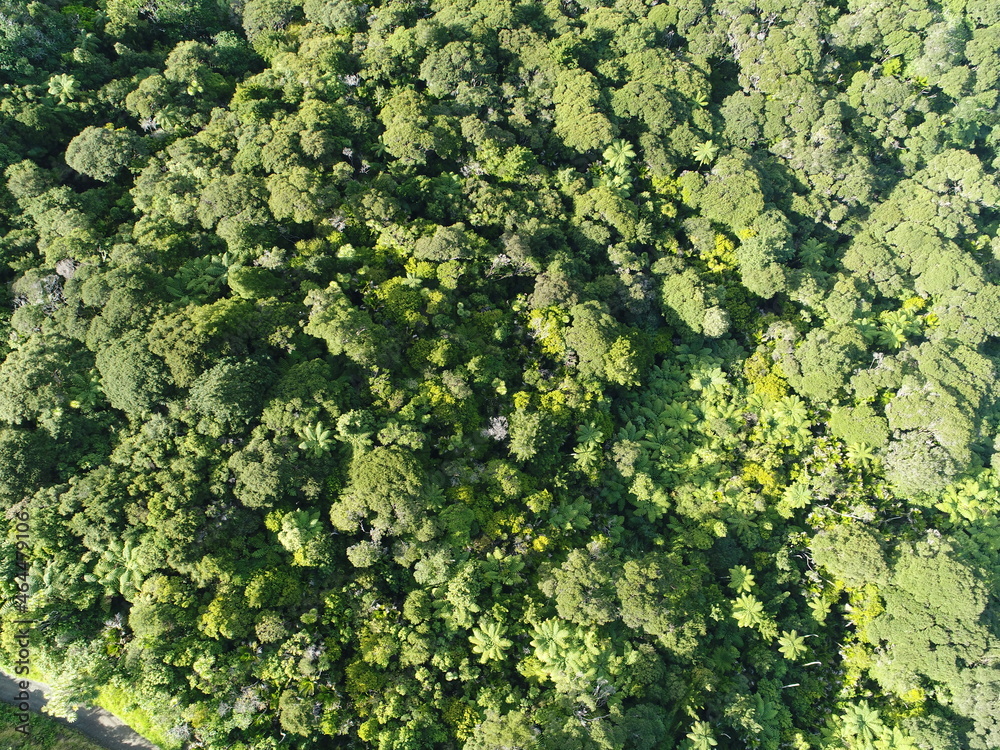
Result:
{"points": [[467, 374]]}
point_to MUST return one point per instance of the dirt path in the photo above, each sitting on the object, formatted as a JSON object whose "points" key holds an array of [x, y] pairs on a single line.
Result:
{"points": [[97, 724]]}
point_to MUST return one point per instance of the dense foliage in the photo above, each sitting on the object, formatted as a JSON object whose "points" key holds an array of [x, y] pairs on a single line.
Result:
{"points": [[500, 374]]}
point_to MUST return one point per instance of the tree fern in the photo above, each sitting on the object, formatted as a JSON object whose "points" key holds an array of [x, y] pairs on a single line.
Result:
{"points": [[316, 439], [791, 644], [748, 611], [489, 642]]}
